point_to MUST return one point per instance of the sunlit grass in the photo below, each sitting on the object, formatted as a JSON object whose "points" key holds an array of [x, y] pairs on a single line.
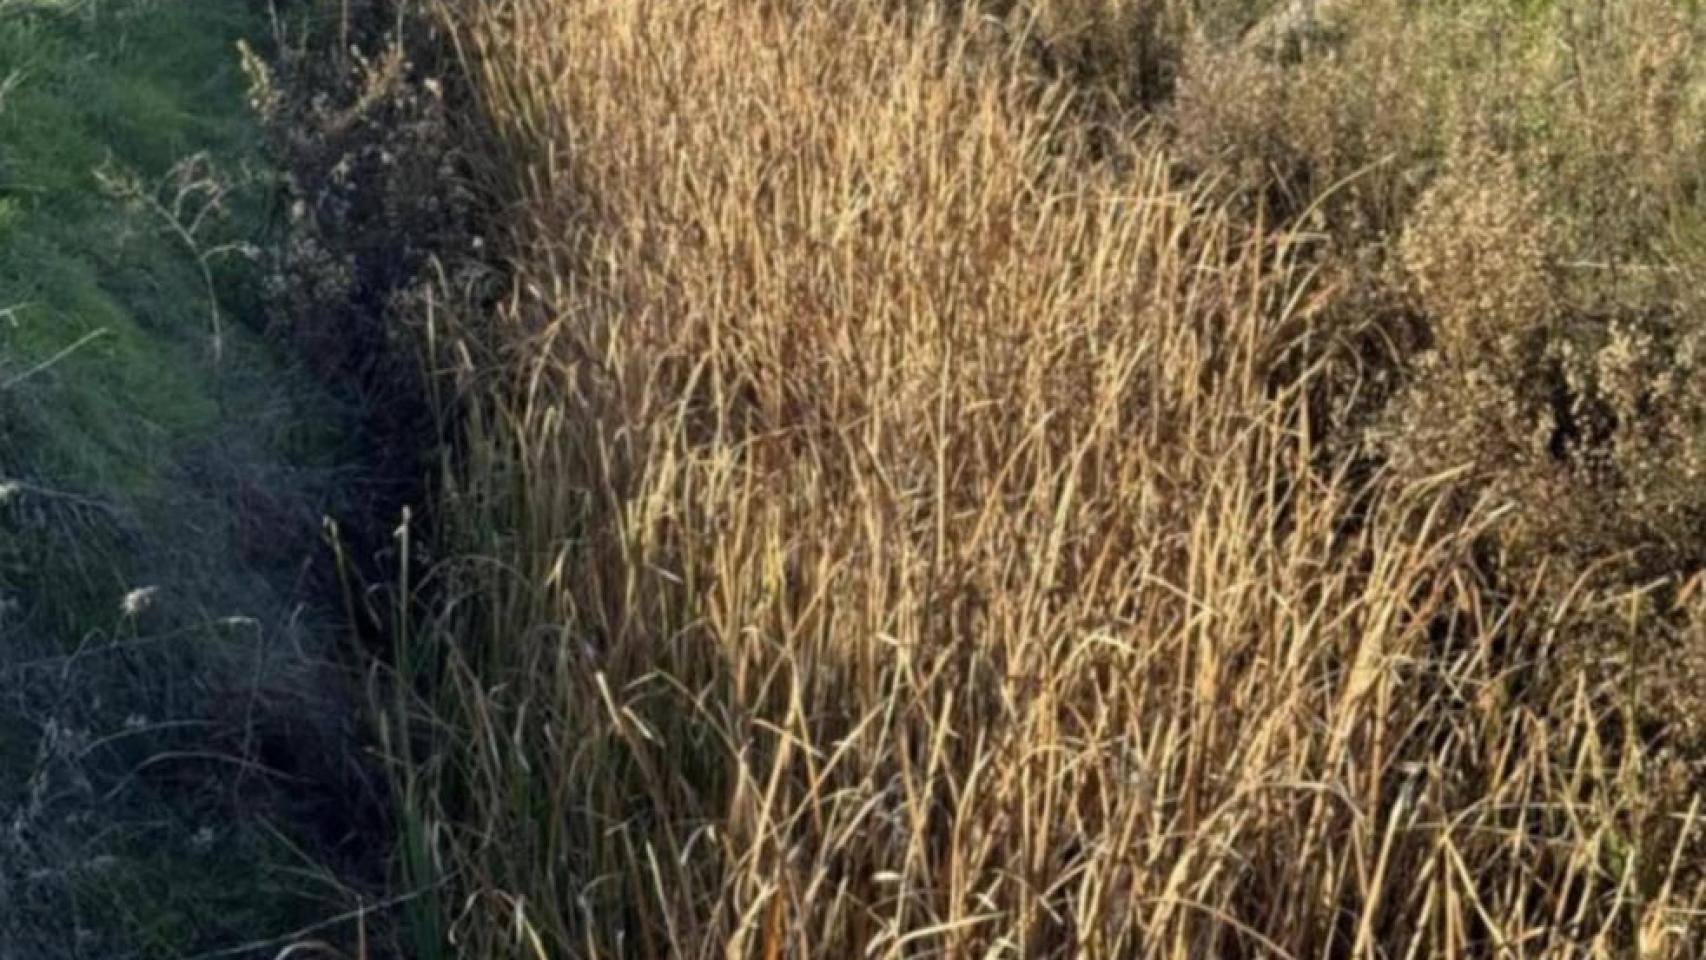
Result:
{"points": [[900, 511]]}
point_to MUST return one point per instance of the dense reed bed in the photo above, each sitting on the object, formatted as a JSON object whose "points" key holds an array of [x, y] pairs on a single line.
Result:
{"points": [[912, 499]]}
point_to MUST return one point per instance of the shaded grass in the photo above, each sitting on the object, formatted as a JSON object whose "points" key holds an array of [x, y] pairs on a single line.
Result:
{"points": [[74, 265], [161, 771]]}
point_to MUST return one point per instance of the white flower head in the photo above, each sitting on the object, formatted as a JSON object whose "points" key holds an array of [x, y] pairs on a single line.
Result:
{"points": [[137, 601]]}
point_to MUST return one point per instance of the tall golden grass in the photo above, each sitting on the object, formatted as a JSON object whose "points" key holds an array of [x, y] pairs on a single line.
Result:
{"points": [[894, 516]]}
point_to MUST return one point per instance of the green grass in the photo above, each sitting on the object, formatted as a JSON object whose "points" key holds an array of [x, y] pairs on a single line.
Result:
{"points": [[146, 458], [95, 93], [101, 422]]}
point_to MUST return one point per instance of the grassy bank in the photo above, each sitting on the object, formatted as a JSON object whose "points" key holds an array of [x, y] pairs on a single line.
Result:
{"points": [[1141, 479], [174, 758]]}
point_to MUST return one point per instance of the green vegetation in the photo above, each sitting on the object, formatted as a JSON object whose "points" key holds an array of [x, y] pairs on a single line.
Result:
{"points": [[129, 90], [170, 737]]}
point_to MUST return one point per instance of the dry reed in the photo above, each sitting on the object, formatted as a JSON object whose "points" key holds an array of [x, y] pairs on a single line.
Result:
{"points": [[891, 521]]}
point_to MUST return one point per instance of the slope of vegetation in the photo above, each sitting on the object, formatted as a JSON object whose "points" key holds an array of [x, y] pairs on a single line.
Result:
{"points": [[1117, 479], [173, 768]]}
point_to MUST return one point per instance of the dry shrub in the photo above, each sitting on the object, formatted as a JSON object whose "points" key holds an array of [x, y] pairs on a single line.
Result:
{"points": [[1506, 197], [1479, 256], [371, 191], [1583, 417], [890, 521], [1561, 371], [1480, 253], [1338, 127], [370, 197], [1598, 104]]}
